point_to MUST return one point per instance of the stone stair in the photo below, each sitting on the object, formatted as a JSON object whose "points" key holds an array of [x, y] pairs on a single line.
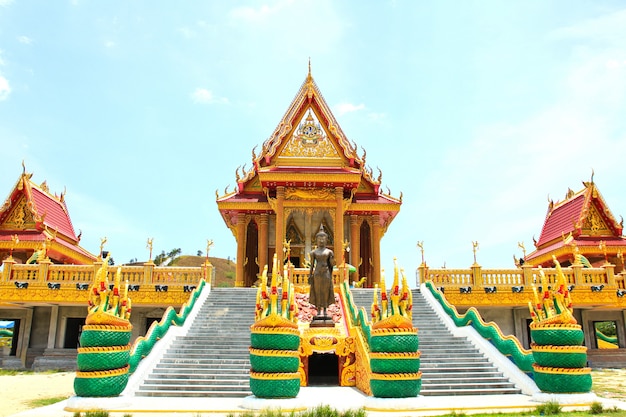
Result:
{"points": [[450, 365], [212, 359]]}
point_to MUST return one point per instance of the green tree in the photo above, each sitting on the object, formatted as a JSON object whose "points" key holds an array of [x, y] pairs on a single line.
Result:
{"points": [[167, 258]]}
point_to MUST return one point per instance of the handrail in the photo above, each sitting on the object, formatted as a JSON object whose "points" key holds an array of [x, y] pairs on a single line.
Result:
{"points": [[507, 345], [143, 344]]}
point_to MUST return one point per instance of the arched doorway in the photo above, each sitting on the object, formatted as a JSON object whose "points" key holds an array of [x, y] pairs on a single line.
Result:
{"points": [[365, 250], [251, 269]]}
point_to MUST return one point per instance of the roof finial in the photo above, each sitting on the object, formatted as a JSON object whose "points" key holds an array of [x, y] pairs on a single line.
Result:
{"points": [[23, 167], [309, 66], [592, 174]]}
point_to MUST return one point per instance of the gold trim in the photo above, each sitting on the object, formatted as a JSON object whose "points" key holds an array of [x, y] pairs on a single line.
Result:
{"points": [[397, 377], [557, 349], [103, 349], [562, 371], [278, 376], [103, 374], [274, 353]]}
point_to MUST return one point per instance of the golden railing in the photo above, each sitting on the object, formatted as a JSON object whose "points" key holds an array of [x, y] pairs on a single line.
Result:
{"points": [[476, 276], [513, 287], [300, 276], [149, 273]]}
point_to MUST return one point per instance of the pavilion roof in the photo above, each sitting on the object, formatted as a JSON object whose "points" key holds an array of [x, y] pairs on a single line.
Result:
{"points": [[583, 219], [35, 215]]}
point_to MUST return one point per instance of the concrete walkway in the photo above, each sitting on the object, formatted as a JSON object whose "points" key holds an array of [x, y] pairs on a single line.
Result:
{"points": [[340, 398]]}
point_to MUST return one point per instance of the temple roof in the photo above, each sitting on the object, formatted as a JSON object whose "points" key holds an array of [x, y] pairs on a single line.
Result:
{"points": [[583, 219], [308, 151], [35, 216]]}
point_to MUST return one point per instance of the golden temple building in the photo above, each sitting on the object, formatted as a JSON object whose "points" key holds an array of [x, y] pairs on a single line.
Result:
{"points": [[580, 226], [306, 175]]}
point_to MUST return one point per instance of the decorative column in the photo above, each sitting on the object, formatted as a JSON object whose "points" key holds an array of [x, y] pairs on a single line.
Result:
{"points": [[376, 234], [339, 224], [241, 248], [308, 233], [263, 240], [52, 327], [355, 243], [280, 221]]}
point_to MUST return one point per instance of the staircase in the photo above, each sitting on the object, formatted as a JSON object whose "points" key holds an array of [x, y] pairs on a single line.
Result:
{"points": [[450, 365], [212, 359]]}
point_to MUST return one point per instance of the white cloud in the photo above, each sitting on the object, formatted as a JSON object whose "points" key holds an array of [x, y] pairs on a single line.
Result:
{"points": [[204, 96], [5, 3], [5, 88], [25, 40], [109, 44], [343, 108]]}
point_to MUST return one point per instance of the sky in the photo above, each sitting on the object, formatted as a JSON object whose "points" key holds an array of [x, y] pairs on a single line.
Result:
{"points": [[478, 112]]}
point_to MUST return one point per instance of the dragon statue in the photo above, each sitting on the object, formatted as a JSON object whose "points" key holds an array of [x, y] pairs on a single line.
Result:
{"points": [[560, 358], [104, 352], [393, 343], [275, 340]]}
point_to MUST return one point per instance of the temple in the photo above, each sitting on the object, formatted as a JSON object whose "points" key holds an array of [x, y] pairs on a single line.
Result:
{"points": [[307, 174], [580, 226], [36, 225]]}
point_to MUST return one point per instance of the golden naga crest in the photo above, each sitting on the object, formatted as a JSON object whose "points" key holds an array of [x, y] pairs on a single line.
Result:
{"points": [[554, 305], [270, 311], [108, 304], [396, 308]]}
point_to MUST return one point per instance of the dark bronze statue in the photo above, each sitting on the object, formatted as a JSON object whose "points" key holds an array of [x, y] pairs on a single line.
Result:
{"points": [[322, 293]]}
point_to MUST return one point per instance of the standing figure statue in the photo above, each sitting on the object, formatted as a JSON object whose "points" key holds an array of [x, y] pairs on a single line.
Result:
{"points": [[322, 293]]}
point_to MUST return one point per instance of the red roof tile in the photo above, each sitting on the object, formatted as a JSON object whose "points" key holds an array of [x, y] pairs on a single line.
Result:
{"points": [[561, 220], [55, 211]]}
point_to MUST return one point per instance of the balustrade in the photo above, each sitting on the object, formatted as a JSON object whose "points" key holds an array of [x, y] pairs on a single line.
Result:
{"points": [[575, 275], [146, 274]]}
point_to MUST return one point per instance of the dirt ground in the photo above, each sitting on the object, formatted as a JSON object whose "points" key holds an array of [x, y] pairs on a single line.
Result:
{"points": [[19, 390]]}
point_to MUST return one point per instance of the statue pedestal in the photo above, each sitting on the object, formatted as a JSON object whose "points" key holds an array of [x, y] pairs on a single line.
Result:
{"points": [[322, 321]]}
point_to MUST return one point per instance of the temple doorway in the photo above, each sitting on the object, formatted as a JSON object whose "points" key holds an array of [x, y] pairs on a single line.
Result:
{"points": [[323, 370], [73, 329]]}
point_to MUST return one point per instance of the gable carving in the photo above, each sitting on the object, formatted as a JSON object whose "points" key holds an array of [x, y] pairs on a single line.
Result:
{"points": [[593, 224], [20, 217], [310, 141]]}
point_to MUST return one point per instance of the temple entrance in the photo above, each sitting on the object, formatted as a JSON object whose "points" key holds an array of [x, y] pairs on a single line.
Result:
{"points": [[251, 268], [323, 370], [73, 328]]}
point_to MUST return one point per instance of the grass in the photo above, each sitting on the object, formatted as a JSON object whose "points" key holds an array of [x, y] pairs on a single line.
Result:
{"points": [[42, 402]]}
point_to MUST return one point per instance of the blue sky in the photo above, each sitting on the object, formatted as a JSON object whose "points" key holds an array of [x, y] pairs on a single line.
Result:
{"points": [[478, 112]]}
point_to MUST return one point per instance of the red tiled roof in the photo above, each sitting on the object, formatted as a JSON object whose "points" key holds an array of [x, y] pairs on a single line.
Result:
{"points": [[56, 215], [561, 219], [580, 243]]}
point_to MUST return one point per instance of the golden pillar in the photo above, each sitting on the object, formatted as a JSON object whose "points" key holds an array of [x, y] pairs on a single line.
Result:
{"points": [[376, 234], [339, 224], [241, 249], [263, 240], [355, 243], [280, 221]]}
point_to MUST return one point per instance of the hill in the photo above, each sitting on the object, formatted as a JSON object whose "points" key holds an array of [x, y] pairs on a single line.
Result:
{"points": [[224, 268]]}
